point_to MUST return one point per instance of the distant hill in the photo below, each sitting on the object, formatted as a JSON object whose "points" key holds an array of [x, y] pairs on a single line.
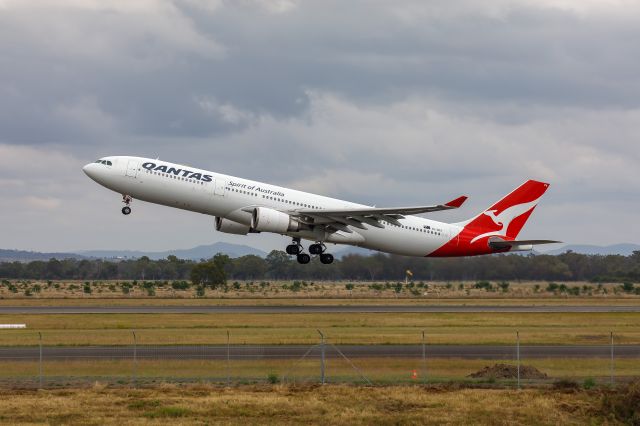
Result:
{"points": [[196, 253], [28, 256], [623, 249]]}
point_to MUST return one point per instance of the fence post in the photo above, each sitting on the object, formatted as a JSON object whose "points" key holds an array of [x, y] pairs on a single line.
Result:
{"points": [[424, 360], [518, 355], [228, 356], [40, 359], [611, 365], [322, 350], [135, 357]]}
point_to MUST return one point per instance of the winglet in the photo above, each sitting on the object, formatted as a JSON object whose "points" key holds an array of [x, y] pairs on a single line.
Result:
{"points": [[454, 204]]}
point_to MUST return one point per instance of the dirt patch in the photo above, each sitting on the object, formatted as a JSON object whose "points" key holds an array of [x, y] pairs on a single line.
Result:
{"points": [[506, 371]]}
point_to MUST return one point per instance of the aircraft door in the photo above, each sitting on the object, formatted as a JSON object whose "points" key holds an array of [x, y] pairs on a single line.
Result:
{"points": [[132, 168], [220, 185]]}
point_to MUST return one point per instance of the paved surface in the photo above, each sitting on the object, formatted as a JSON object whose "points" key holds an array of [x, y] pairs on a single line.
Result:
{"points": [[298, 351], [242, 309]]}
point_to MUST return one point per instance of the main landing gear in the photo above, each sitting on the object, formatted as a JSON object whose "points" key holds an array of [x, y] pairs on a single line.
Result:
{"points": [[295, 249], [126, 199]]}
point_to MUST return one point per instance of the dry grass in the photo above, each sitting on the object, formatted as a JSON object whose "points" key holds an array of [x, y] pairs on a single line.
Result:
{"points": [[332, 404], [354, 328]]}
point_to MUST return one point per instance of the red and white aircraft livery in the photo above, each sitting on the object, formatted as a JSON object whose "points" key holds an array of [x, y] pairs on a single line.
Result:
{"points": [[242, 206]]}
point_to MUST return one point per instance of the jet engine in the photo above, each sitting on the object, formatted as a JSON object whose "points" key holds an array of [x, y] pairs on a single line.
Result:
{"points": [[231, 227], [270, 220]]}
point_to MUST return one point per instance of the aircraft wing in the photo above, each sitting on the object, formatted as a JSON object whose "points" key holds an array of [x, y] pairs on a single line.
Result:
{"points": [[341, 218]]}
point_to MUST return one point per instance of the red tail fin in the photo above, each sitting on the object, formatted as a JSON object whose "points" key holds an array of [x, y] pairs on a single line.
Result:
{"points": [[504, 219], [507, 217]]}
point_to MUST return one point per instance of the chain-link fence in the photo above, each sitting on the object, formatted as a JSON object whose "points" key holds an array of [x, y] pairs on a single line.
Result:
{"points": [[34, 363]]}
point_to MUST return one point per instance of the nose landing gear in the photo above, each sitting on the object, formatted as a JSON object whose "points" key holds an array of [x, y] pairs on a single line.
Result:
{"points": [[126, 199]]}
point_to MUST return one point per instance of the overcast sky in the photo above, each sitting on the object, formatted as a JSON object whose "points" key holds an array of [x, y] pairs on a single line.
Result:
{"points": [[380, 102]]}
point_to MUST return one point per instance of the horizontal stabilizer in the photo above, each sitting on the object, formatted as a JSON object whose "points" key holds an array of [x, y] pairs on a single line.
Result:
{"points": [[500, 244]]}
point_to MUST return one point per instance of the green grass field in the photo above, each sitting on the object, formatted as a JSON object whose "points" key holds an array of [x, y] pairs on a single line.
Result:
{"points": [[377, 370], [354, 328]]}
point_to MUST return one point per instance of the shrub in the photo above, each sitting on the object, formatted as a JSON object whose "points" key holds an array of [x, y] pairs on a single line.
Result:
{"points": [[273, 378], [349, 286], [200, 291], [86, 288], [483, 285], [552, 287], [627, 287], [180, 285], [589, 383], [504, 286], [624, 403], [376, 287]]}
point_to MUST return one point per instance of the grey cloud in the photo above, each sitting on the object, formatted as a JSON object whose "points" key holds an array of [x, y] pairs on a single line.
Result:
{"points": [[384, 103]]}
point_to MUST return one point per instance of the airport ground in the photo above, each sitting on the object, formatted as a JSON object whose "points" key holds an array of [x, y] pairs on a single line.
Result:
{"points": [[445, 400], [282, 404]]}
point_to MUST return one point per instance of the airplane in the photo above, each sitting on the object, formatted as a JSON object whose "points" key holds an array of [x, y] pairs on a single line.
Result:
{"points": [[242, 206]]}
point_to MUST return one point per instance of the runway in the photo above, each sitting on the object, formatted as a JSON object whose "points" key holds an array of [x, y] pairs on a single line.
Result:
{"points": [[255, 352], [310, 309]]}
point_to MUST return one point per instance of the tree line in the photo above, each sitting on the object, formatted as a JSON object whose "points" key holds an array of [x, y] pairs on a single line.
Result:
{"points": [[279, 266]]}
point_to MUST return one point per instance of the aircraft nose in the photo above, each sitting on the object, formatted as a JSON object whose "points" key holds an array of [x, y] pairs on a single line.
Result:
{"points": [[88, 169]]}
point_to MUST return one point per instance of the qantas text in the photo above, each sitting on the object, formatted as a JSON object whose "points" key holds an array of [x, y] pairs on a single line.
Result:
{"points": [[178, 172]]}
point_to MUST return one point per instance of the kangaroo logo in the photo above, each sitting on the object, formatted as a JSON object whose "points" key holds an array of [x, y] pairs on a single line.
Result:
{"points": [[504, 219]]}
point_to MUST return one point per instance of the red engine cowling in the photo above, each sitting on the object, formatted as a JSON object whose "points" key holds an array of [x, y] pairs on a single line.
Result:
{"points": [[270, 220]]}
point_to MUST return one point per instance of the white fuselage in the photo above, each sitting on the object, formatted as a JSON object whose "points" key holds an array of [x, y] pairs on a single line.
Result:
{"points": [[230, 197]]}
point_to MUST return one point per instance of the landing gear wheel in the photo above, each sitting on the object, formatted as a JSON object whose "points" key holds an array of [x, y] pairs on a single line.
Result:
{"points": [[304, 258], [326, 258], [317, 248], [293, 249], [126, 199]]}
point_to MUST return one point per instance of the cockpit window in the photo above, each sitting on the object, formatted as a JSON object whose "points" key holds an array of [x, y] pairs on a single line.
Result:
{"points": [[105, 162], [109, 163]]}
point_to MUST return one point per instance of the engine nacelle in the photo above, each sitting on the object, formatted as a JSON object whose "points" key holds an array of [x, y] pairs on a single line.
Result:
{"points": [[269, 220], [231, 227]]}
